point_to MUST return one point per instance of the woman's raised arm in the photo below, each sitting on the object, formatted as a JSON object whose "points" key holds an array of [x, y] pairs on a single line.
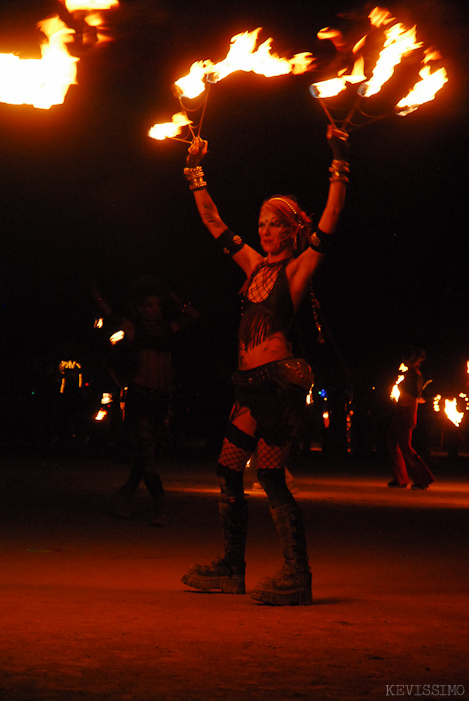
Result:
{"points": [[303, 268], [245, 256]]}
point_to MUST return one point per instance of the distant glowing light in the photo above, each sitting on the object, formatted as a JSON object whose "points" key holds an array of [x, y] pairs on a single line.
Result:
{"points": [[116, 337]]}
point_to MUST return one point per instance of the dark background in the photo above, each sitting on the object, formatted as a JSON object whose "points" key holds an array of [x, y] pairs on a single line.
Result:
{"points": [[86, 195]]}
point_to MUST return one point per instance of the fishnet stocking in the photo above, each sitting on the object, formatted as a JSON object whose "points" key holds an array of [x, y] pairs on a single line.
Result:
{"points": [[233, 457], [272, 456], [263, 282]]}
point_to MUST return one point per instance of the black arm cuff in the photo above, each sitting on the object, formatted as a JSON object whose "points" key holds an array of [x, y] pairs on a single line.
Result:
{"points": [[319, 241], [229, 242]]}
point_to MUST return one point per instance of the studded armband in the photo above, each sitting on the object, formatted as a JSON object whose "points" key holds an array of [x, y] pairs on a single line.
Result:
{"points": [[230, 243]]}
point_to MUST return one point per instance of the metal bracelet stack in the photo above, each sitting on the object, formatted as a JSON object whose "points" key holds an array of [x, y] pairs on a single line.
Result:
{"points": [[339, 171], [195, 177]]}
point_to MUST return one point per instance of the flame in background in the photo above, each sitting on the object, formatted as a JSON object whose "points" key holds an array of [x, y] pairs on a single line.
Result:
{"points": [[76, 5], [117, 336], [395, 392], [92, 14], [451, 411], [40, 82], [451, 407], [44, 82]]}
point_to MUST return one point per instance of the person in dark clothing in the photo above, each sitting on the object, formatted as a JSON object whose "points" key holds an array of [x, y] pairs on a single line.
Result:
{"points": [[271, 385], [404, 458], [142, 367]]}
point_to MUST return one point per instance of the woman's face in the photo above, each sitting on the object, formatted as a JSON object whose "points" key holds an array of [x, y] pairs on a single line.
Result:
{"points": [[274, 233]]}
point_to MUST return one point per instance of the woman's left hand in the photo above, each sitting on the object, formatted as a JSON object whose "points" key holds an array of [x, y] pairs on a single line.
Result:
{"points": [[197, 151], [338, 141]]}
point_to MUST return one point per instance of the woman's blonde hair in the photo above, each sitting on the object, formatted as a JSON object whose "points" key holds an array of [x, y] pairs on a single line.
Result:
{"points": [[289, 211]]}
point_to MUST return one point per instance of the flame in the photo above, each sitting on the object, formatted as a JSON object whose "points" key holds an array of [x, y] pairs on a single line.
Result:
{"points": [[334, 35], [98, 323], [242, 56], [326, 419], [116, 337], [399, 42], [40, 82], [106, 398], [436, 403], [395, 392], [452, 412], [379, 16], [328, 88], [75, 5], [333, 86], [95, 19], [193, 84], [93, 15], [102, 413], [169, 130], [425, 89]]}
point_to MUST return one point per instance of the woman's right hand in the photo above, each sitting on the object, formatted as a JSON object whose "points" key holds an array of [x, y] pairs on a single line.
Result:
{"points": [[197, 151]]}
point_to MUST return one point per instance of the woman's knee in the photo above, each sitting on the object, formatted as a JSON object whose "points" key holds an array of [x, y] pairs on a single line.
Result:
{"points": [[231, 483], [273, 482]]}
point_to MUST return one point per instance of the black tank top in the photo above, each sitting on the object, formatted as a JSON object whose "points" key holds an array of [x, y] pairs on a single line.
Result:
{"points": [[272, 315]]}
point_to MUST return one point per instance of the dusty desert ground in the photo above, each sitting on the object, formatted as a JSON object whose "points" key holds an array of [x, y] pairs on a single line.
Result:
{"points": [[92, 607]]}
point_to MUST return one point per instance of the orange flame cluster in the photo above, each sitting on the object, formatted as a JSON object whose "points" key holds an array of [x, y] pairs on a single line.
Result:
{"points": [[106, 401], [451, 407], [40, 82], [242, 56], [92, 11], [395, 392], [399, 42], [44, 82], [169, 130], [451, 411]]}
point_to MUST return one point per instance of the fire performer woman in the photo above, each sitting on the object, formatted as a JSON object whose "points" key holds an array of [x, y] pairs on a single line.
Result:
{"points": [[404, 458], [271, 385]]}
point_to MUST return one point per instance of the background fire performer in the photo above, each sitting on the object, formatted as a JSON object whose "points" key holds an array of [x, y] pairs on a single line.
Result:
{"points": [[404, 458], [142, 367], [271, 385]]}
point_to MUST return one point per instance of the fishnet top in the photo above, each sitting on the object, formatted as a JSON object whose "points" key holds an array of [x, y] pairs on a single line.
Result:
{"points": [[267, 304]]}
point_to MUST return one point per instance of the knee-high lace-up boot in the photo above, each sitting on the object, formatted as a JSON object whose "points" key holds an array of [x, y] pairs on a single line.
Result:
{"points": [[292, 584], [225, 574]]}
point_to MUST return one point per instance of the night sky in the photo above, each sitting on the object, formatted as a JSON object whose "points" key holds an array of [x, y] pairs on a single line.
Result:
{"points": [[86, 195]]}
